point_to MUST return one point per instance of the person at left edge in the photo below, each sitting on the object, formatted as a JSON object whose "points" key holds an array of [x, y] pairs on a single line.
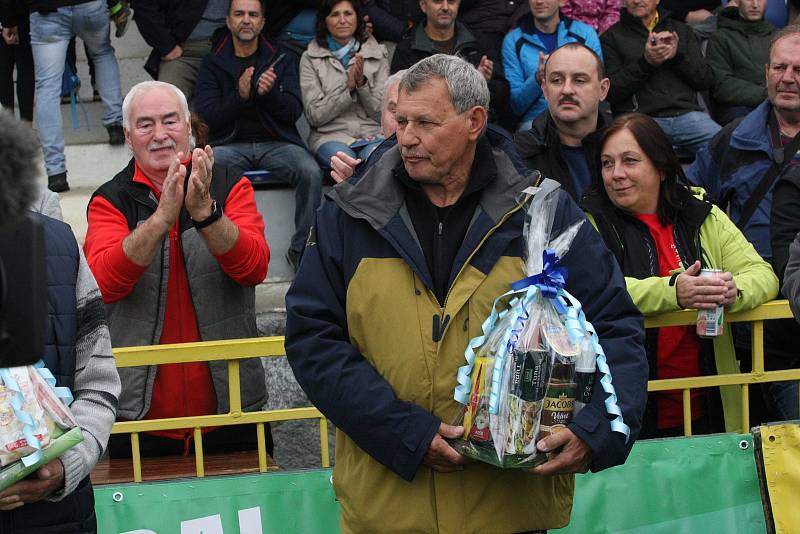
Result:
{"points": [[58, 497], [177, 246]]}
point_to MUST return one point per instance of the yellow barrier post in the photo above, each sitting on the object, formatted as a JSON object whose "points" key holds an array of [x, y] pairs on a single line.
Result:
{"points": [[136, 457], [262, 447], [198, 452], [234, 388], [687, 412], [745, 408], [758, 347], [323, 441]]}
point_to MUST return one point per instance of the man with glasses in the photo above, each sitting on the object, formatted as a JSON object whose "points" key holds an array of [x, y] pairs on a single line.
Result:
{"points": [[739, 168]]}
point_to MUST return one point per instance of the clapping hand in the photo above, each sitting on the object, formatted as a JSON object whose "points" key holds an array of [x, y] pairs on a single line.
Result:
{"points": [[266, 82], [540, 69], [198, 197], [660, 47], [355, 74], [246, 83], [342, 166], [10, 35], [486, 66]]}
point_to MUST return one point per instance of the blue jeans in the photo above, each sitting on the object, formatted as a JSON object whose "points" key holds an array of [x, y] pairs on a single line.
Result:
{"points": [[289, 164], [50, 36], [327, 150], [784, 399], [690, 131]]}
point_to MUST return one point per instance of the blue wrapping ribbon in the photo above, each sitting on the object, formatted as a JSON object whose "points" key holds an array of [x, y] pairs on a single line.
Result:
{"points": [[552, 278], [550, 282], [63, 392]]}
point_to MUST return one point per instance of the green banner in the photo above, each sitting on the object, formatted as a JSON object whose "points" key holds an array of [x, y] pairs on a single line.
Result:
{"points": [[706, 484], [299, 501]]}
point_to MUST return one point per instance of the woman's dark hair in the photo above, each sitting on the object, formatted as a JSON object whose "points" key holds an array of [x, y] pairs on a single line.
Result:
{"points": [[325, 9], [656, 145]]}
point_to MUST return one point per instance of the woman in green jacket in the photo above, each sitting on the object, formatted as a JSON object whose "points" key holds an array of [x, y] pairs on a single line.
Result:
{"points": [[663, 234]]}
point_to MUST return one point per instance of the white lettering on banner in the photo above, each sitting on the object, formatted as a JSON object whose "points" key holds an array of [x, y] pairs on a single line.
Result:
{"points": [[250, 521], [203, 525]]}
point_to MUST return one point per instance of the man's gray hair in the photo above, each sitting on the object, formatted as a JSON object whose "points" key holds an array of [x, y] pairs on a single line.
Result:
{"points": [[144, 87], [792, 30], [393, 79], [465, 84]]}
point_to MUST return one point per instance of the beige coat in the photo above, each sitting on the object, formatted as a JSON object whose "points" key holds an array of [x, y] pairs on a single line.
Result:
{"points": [[333, 112]]}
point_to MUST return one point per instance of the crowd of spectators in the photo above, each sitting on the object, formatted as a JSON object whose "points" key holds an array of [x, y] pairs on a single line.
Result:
{"points": [[708, 84]]}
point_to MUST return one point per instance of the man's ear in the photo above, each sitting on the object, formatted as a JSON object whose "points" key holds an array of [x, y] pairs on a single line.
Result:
{"points": [[605, 85], [477, 117]]}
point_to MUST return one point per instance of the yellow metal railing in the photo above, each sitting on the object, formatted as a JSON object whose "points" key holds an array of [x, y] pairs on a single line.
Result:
{"points": [[231, 351], [777, 309], [234, 350]]}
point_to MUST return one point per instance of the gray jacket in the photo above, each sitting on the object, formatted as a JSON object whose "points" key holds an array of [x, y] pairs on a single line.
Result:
{"points": [[224, 309]]}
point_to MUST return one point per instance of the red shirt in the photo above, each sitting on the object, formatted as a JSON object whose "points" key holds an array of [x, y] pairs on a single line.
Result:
{"points": [[184, 389], [678, 346]]}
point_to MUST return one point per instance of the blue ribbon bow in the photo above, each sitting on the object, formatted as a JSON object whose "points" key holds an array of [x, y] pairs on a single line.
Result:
{"points": [[552, 278]]}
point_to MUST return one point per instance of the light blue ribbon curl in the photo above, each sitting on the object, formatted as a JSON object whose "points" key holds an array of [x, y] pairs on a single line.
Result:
{"points": [[63, 393]]}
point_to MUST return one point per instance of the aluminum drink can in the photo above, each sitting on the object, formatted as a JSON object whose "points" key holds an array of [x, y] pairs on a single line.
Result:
{"points": [[710, 322]]}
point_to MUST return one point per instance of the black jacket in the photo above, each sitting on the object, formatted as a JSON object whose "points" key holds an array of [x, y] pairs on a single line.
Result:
{"points": [[490, 15], [781, 336], [217, 99], [630, 241], [391, 19], [664, 91], [540, 148], [165, 24], [680, 8]]}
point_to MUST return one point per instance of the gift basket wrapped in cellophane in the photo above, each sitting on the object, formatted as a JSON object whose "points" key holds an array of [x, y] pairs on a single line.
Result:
{"points": [[534, 366], [36, 425]]}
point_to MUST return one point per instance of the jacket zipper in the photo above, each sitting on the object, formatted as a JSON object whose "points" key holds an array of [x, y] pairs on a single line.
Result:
{"points": [[503, 219]]}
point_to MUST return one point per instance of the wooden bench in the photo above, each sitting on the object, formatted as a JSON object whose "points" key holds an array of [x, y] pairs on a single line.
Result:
{"points": [[120, 470]]}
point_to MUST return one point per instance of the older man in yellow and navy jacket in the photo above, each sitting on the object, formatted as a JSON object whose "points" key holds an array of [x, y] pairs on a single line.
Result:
{"points": [[400, 271]]}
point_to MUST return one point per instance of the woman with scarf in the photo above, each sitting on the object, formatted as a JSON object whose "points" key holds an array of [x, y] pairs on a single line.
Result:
{"points": [[662, 234], [342, 75]]}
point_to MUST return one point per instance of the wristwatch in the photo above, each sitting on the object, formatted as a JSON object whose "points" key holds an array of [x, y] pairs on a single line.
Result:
{"points": [[216, 213]]}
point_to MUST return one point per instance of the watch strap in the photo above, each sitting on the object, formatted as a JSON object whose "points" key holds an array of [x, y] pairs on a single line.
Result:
{"points": [[216, 213]]}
